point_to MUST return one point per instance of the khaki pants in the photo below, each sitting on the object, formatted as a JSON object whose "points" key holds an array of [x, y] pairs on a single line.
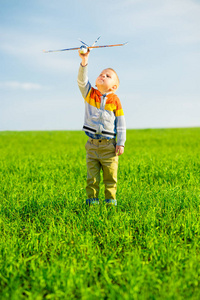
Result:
{"points": [[101, 155]]}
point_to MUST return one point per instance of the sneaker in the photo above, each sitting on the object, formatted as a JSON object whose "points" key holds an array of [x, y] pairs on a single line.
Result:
{"points": [[92, 201], [111, 201]]}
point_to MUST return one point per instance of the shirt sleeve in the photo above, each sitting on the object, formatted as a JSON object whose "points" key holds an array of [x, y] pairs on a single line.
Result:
{"points": [[120, 125], [121, 130], [83, 82]]}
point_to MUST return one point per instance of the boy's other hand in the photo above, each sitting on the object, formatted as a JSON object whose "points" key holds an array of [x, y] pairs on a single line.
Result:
{"points": [[119, 150]]}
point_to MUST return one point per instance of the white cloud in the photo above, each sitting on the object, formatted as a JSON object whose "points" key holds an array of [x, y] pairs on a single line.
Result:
{"points": [[160, 63], [27, 86]]}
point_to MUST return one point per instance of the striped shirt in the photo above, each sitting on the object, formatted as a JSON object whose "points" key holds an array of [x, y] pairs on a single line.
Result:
{"points": [[104, 116]]}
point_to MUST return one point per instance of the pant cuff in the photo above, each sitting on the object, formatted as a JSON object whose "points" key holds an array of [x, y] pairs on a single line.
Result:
{"points": [[90, 201], [111, 201]]}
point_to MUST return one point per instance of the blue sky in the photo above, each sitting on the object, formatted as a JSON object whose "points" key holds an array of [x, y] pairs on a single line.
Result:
{"points": [[159, 68]]}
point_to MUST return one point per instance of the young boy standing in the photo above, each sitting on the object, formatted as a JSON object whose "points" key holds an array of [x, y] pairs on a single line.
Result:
{"points": [[104, 121]]}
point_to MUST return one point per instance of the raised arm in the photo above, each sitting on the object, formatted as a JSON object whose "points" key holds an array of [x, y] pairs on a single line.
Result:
{"points": [[83, 82], [84, 58]]}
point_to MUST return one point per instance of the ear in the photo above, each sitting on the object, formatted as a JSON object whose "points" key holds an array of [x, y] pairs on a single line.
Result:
{"points": [[114, 88]]}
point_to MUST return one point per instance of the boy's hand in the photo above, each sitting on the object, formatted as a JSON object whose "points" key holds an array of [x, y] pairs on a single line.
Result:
{"points": [[84, 57], [119, 150]]}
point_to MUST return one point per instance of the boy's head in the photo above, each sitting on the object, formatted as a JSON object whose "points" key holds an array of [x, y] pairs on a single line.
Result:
{"points": [[107, 81]]}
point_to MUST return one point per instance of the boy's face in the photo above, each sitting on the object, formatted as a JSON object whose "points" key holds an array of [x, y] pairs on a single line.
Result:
{"points": [[106, 81]]}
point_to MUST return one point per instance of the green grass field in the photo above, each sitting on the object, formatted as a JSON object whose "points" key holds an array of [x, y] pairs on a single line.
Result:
{"points": [[54, 247]]}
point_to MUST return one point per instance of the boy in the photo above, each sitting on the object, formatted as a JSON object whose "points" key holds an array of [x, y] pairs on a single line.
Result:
{"points": [[104, 119]]}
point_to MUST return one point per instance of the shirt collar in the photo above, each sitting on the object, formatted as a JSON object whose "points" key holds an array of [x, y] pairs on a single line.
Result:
{"points": [[106, 94]]}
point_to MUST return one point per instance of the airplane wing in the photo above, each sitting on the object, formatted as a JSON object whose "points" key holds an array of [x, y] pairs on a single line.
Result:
{"points": [[104, 46], [90, 47], [60, 50]]}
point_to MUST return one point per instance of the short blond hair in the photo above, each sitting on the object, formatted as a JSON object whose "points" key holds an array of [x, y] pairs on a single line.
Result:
{"points": [[118, 82]]}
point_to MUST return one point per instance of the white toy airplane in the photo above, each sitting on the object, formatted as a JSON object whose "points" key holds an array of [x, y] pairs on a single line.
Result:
{"points": [[84, 48]]}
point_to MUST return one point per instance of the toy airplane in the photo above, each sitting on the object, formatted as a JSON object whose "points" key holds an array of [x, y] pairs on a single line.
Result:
{"points": [[84, 48]]}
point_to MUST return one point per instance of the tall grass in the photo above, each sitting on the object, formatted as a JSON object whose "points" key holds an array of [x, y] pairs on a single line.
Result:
{"points": [[54, 247]]}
